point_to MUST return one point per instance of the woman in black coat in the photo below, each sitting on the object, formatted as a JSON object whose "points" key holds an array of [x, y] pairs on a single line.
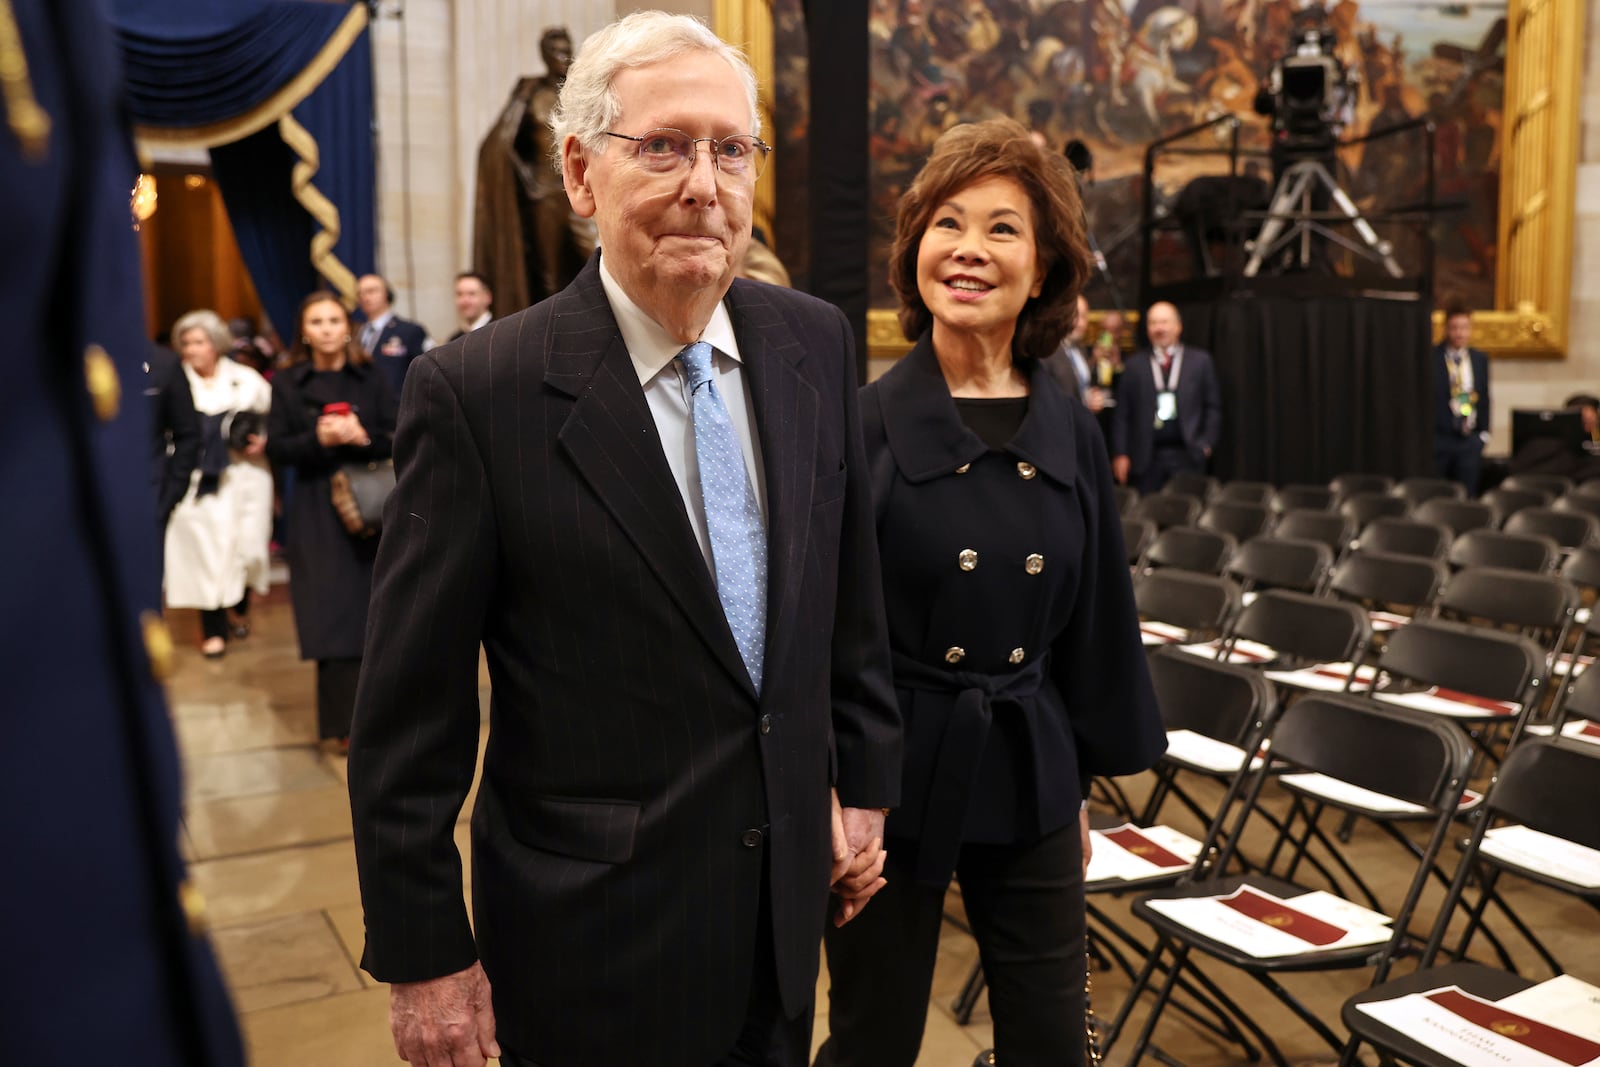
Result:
{"points": [[330, 406], [1018, 663]]}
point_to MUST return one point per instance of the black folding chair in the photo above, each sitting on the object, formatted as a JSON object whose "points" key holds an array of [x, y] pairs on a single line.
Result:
{"points": [[1552, 485], [1388, 585], [1458, 516], [1569, 529], [1239, 520], [1285, 630], [1127, 500], [1548, 787], [1363, 508], [1329, 527], [1405, 537], [1245, 493], [1417, 490], [1280, 563], [1191, 483], [1587, 503], [1189, 548], [1177, 607], [1533, 553], [1507, 502], [1137, 537], [1168, 509], [1386, 751], [1309, 497], [1346, 486]]}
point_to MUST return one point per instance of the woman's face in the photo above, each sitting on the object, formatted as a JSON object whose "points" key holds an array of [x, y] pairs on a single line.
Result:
{"points": [[195, 346], [977, 264], [326, 327]]}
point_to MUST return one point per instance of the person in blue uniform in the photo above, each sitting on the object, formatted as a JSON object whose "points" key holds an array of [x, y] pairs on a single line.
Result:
{"points": [[391, 341], [1017, 658], [102, 952]]}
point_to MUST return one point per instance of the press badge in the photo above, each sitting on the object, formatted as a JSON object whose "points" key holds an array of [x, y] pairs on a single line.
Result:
{"points": [[1166, 406]]}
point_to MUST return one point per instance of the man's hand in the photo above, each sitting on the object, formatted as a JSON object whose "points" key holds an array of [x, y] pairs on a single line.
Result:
{"points": [[858, 858], [1095, 399], [1119, 469], [1088, 842], [444, 1022]]}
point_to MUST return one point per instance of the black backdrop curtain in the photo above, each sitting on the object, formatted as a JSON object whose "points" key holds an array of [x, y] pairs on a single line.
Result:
{"points": [[1318, 386]]}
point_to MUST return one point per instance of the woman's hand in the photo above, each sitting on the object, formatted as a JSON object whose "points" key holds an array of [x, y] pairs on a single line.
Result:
{"points": [[1088, 842], [336, 430], [256, 445]]}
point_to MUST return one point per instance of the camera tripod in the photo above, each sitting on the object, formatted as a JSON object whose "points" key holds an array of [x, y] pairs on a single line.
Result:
{"points": [[1292, 218]]}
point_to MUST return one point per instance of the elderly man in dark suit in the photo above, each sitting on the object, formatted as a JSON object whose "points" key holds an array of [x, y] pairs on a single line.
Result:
{"points": [[102, 953], [1460, 401], [391, 341], [1169, 408], [646, 498]]}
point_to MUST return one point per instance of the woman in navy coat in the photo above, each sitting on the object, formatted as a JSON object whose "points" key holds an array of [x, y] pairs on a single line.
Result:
{"points": [[1018, 663]]}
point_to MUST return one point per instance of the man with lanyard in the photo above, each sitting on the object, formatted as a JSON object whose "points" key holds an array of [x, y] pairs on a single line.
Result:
{"points": [[1460, 401], [1168, 413]]}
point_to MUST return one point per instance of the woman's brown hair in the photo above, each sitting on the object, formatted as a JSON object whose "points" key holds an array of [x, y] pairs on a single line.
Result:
{"points": [[300, 352], [999, 148]]}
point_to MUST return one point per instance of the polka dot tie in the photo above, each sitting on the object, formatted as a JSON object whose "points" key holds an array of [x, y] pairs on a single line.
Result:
{"points": [[738, 540]]}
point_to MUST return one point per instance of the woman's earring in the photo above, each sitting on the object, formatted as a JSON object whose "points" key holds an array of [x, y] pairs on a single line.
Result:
{"points": [[346, 338]]}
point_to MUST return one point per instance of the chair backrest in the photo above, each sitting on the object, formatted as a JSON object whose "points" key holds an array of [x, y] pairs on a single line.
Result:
{"points": [[1417, 490], [1245, 493], [1588, 503], [1458, 516], [1363, 508], [1507, 502], [1200, 603], [1533, 553], [1221, 701], [1345, 486], [1582, 696], [1189, 548], [1582, 567], [1168, 509], [1406, 537], [1484, 663], [1137, 536], [1552, 786], [1381, 579], [1281, 563], [1243, 521], [1552, 485], [1307, 628], [1312, 497], [1569, 529], [1191, 483], [1542, 602], [1127, 500], [1305, 524]]}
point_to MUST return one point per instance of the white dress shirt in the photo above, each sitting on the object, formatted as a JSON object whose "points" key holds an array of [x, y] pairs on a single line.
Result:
{"points": [[666, 390]]}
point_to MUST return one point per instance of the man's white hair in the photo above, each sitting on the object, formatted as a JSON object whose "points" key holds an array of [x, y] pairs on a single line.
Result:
{"points": [[589, 105]]}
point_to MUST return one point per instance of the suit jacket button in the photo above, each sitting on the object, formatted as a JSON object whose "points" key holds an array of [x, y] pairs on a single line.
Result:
{"points": [[766, 724], [1027, 470], [1033, 564], [193, 906], [157, 645], [751, 839], [1017, 655], [100, 378], [954, 654], [968, 559]]}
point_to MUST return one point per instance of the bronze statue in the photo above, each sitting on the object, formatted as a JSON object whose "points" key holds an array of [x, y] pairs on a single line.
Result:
{"points": [[525, 234]]}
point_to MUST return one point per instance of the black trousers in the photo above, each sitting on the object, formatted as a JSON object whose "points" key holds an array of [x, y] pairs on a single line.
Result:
{"points": [[214, 621], [768, 1039], [1025, 906], [1460, 459], [336, 696], [1165, 461]]}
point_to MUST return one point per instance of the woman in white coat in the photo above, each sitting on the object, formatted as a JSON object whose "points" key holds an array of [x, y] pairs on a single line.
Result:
{"points": [[217, 539]]}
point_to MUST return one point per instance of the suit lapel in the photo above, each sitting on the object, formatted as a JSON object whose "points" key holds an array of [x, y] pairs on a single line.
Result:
{"points": [[611, 438], [785, 409]]}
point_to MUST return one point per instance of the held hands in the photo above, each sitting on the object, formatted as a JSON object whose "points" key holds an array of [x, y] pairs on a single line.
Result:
{"points": [[257, 445], [858, 857], [444, 1022], [1088, 842], [1095, 399], [336, 430], [1120, 466]]}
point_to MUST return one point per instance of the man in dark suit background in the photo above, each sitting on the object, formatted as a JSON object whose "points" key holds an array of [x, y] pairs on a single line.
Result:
{"points": [[646, 497], [391, 341], [474, 303], [1460, 401], [1168, 415], [102, 953]]}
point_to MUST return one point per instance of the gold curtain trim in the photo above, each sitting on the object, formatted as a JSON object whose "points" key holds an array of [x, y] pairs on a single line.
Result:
{"points": [[275, 106], [319, 207]]}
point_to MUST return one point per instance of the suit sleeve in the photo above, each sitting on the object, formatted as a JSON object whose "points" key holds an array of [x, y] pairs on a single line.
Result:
{"points": [[184, 424], [1098, 661], [414, 741], [866, 717], [1120, 416], [1212, 431]]}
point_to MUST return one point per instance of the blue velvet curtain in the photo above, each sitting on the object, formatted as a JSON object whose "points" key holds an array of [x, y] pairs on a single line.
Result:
{"points": [[194, 63]]}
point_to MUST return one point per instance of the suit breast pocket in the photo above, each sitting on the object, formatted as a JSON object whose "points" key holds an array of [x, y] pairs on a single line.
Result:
{"points": [[826, 488]]}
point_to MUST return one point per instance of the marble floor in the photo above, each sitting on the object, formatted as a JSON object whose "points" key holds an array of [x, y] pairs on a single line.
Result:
{"points": [[267, 833]]}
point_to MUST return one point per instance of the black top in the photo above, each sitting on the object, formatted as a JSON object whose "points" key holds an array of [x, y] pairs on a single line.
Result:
{"points": [[995, 420]]}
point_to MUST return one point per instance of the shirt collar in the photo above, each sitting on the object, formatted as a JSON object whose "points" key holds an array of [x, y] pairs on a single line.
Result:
{"points": [[480, 322], [649, 346], [381, 321]]}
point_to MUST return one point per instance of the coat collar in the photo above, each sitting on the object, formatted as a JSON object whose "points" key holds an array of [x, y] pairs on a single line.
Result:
{"points": [[928, 438], [301, 372]]}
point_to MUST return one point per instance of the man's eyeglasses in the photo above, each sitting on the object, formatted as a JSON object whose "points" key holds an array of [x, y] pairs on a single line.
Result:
{"points": [[664, 151]]}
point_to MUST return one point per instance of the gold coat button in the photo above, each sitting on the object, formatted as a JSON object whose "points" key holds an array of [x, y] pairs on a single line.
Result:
{"points": [[1033, 564], [158, 646], [1026, 469], [964, 468], [194, 907], [100, 378], [968, 559], [954, 654], [1016, 655]]}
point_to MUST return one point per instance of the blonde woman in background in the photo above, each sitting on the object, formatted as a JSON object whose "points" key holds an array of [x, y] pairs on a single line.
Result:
{"points": [[216, 550]]}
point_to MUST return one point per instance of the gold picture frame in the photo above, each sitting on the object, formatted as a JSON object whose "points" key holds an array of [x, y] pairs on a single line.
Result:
{"points": [[1538, 167]]}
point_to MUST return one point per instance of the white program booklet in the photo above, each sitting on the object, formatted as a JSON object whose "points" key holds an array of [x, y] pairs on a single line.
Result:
{"points": [[1131, 853], [1160, 633], [1340, 792], [1550, 855], [1475, 1032], [1242, 651], [1265, 926], [1441, 701], [1581, 729], [1198, 750], [1563, 1001], [1327, 677]]}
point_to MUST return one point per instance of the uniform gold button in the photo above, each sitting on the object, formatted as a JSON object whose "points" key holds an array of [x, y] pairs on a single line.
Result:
{"points": [[968, 559], [100, 377], [157, 645], [954, 654], [1027, 470], [1033, 564], [964, 468], [194, 907], [1016, 655]]}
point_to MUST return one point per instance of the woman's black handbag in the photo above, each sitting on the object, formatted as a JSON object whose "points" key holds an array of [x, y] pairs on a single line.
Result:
{"points": [[359, 491], [239, 426]]}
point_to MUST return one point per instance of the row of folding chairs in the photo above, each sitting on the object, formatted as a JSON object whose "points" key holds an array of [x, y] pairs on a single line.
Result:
{"points": [[1520, 490]]}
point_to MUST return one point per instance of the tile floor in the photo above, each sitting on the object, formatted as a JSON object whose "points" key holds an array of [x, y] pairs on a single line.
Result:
{"points": [[267, 832]]}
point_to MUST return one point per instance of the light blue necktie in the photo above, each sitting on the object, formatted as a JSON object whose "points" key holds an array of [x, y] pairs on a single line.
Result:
{"points": [[738, 540]]}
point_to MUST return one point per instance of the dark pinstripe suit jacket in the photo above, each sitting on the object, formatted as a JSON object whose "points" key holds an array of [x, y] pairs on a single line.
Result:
{"points": [[615, 881]]}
